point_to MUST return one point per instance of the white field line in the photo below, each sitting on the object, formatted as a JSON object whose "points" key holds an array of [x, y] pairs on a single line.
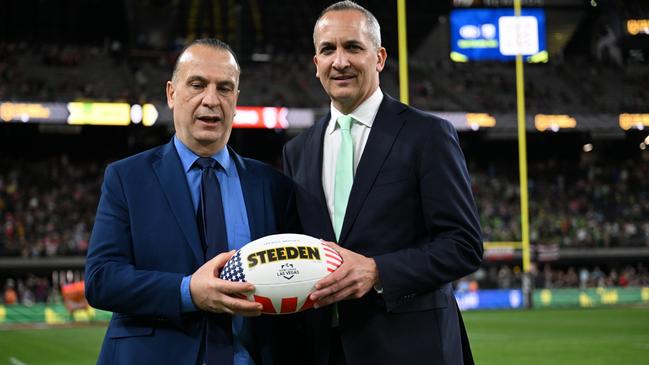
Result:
{"points": [[15, 361]]}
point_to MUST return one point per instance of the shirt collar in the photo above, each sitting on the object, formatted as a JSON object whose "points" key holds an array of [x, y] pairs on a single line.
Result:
{"points": [[364, 113], [188, 157]]}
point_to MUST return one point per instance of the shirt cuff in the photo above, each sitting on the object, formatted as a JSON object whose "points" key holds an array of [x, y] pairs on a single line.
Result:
{"points": [[186, 303]]}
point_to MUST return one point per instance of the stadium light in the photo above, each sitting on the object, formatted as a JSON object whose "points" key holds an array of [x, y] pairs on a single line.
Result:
{"points": [[25, 112], [633, 121], [99, 113], [637, 26], [543, 122], [477, 120], [136, 113]]}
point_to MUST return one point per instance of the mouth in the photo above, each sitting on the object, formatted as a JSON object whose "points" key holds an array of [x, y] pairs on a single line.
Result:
{"points": [[210, 119], [343, 77]]}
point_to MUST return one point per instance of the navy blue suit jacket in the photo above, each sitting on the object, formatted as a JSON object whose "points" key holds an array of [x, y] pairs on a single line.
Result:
{"points": [[412, 210], [145, 240]]}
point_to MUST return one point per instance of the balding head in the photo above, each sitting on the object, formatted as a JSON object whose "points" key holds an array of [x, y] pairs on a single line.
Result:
{"points": [[372, 27]]}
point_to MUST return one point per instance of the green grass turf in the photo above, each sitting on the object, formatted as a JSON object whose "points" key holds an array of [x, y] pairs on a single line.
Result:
{"points": [[617, 336], [611, 336], [51, 346]]}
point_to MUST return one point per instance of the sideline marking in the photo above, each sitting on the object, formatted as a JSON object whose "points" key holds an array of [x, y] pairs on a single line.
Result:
{"points": [[15, 361]]}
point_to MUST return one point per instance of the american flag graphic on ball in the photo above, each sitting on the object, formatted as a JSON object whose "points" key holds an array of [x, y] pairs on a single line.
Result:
{"points": [[284, 269], [233, 271]]}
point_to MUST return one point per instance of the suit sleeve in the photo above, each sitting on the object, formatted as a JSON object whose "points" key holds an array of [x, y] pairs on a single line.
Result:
{"points": [[112, 280], [454, 248]]}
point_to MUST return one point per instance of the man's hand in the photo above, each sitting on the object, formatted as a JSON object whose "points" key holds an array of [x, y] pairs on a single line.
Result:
{"points": [[212, 294], [353, 279]]}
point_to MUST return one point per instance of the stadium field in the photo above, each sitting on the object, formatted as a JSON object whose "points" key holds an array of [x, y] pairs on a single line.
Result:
{"points": [[618, 336]]}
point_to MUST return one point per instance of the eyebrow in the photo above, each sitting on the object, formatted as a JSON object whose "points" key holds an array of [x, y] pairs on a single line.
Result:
{"points": [[206, 81], [325, 44], [351, 42], [196, 78]]}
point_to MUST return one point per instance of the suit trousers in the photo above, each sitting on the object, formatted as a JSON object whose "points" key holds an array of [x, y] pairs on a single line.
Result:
{"points": [[336, 353]]}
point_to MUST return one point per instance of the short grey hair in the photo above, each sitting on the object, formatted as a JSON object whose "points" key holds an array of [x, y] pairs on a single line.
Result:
{"points": [[373, 28]]}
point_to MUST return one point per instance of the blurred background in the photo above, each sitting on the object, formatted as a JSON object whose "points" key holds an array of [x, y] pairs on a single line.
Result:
{"points": [[82, 84]]}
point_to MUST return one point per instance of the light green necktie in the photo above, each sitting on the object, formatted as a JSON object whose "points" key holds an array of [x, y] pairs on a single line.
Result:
{"points": [[344, 172]]}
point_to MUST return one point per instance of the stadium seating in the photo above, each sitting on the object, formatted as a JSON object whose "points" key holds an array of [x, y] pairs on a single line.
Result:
{"points": [[49, 73], [589, 205]]}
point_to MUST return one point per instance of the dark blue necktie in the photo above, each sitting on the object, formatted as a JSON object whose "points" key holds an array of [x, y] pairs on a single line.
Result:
{"points": [[211, 222], [211, 219]]}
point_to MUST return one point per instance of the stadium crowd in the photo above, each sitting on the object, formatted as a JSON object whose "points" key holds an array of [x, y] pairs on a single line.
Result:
{"points": [[51, 73], [555, 88], [47, 206], [593, 204], [31, 289], [28, 291], [508, 277]]}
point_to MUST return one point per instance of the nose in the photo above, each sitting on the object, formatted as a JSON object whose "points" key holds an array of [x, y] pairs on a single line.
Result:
{"points": [[211, 97], [341, 61]]}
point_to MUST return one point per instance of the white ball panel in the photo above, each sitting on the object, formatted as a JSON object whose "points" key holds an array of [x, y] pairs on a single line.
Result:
{"points": [[284, 269]]}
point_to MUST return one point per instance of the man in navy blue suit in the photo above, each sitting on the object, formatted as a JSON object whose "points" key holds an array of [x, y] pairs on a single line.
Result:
{"points": [[389, 184], [149, 261]]}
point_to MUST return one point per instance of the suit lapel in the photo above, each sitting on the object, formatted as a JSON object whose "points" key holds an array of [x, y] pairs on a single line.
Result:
{"points": [[253, 196], [313, 155], [385, 129], [173, 183]]}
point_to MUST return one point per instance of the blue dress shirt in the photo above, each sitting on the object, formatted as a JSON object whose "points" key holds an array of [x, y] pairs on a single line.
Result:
{"points": [[236, 222]]}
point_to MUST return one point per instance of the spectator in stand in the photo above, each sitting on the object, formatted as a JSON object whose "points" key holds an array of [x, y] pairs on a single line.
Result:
{"points": [[46, 207], [49, 73], [10, 295], [584, 211], [618, 276]]}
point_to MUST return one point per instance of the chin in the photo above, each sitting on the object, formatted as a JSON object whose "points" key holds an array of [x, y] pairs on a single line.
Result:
{"points": [[345, 99], [341, 95], [206, 138]]}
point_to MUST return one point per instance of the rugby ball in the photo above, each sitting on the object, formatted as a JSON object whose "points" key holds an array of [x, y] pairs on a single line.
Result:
{"points": [[284, 269]]}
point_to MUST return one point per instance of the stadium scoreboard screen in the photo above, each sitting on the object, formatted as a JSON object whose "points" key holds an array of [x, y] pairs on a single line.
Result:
{"points": [[497, 35]]}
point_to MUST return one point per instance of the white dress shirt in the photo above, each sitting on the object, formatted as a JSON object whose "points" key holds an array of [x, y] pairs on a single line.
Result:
{"points": [[363, 119]]}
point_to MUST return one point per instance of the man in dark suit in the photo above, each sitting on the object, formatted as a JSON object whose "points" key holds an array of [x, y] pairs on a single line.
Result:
{"points": [[388, 183], [167, 221]]}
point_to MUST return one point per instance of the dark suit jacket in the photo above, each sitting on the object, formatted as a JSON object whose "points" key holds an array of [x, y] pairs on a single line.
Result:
{"points": [[412, 210], [145, 240]]}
